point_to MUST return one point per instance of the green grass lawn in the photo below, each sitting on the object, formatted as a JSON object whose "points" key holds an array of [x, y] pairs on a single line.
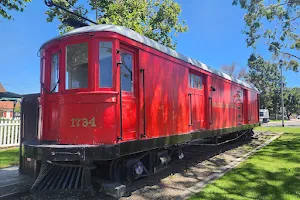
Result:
{"points": [[275, 120], [272, 173], [9, 157]]}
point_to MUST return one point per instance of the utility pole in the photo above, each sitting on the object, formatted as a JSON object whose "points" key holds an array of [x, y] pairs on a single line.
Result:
{"points": [[96, 10], [282, 102]]}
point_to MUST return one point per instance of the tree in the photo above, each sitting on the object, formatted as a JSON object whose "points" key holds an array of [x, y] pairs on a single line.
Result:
{"points": [[265, 76], [276, 23], [8, 5], [232, 71], [292, 101], [156, 19], [17, 108]]}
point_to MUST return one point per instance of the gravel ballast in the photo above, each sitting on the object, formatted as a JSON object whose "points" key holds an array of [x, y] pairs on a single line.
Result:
{"points": [[181, 178]]}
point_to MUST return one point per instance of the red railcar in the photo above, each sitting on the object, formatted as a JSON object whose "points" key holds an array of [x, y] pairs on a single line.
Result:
{"points": [[108, 92]]}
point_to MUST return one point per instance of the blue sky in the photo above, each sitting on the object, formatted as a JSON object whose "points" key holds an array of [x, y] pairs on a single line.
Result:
{"points": [[214, 38]]}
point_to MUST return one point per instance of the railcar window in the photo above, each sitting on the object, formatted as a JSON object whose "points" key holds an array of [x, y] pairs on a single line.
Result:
{"points": [[42, 67], [195, 81], [126, 72], [77, 66], [105, 62], [54, 72]]}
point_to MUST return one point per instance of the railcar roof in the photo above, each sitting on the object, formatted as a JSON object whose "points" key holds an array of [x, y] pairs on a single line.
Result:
{"points": [[151, 43]]}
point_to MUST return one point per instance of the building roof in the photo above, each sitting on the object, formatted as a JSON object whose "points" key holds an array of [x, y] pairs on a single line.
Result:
{"points": [[151, 43], [6, 105], [2, 89], [9, 96]]}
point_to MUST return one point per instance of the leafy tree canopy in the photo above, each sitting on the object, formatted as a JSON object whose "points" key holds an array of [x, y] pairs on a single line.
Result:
{"points": [[292, 101], [7, 5], [276, 23], [156, 19], [17, 109], [267, 79]]}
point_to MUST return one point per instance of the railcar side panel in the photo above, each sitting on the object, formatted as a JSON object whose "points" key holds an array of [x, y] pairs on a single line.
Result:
{"points": [[162, 101], [93, 121], [227, 104], [165, 96], [252, 107]]}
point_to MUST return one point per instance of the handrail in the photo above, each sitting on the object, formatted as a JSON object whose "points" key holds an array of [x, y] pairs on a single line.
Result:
{"points": [[144, 102], [191, 110], [211, 112]]}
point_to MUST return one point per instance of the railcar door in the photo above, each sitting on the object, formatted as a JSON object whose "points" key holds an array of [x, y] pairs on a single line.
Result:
{"points": [[51, 90], [129, 93], [196, 102], [240, 106]]}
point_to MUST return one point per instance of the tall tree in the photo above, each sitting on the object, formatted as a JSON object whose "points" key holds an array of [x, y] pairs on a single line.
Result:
{"points": [[233, 71], [292, 101], [266, 77], [8, 5], [275, 23], [156, 19]]}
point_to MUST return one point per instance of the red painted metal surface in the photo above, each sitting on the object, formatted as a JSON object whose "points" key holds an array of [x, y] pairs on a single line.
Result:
{"points": [[93, 115]]}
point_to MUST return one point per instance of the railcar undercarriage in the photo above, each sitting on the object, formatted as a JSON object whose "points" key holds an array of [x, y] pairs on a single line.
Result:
{"points": [[112, 176]]}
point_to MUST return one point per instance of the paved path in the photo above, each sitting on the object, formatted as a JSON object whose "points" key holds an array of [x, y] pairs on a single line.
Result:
{"points": [[12, 181], [287, 123]]}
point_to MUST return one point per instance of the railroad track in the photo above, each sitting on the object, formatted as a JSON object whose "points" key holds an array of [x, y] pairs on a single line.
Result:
{"points": [[193, 156]]}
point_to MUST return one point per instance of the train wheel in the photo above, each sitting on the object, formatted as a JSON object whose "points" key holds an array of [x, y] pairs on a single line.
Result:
{"points": [[115, 170]]}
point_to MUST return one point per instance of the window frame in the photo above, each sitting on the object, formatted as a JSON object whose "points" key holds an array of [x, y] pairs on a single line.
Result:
{"points": [[189, 81], [48, 66], [96, 62], [42, 69], [57, 72], [99, 65], [261, 114], [132, 52], [91, 78]]}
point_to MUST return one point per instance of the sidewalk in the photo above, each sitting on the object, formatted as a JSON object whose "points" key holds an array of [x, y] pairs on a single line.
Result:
{"points": [[287, 123], [11, 181]]}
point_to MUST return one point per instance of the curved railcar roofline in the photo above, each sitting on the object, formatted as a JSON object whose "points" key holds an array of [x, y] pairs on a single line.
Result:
{"points": [[151, 43]]}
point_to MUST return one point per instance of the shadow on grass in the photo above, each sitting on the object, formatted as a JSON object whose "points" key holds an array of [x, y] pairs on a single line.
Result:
{"points": [[272, 173]]}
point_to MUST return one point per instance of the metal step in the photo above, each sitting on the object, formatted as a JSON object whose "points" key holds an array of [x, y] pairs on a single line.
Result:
{"points": [[62, 176]]}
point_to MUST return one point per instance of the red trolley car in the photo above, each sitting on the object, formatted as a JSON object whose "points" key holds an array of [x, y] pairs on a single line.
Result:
{"points": [[111, 94]]}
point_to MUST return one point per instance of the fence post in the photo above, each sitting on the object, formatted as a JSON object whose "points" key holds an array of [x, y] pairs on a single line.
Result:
{"points": [[5, 133], [1, 132], [17, 128]]}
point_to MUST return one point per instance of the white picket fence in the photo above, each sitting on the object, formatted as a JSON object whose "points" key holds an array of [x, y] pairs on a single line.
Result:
{"points": [[9, 133]]}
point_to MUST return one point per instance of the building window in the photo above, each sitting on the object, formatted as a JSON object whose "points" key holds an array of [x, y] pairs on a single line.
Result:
{"points": [[126, 72], [195, 81], [77, 66], [261, 114], [105, 64], [54, 72]]}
